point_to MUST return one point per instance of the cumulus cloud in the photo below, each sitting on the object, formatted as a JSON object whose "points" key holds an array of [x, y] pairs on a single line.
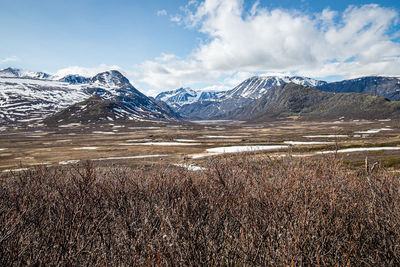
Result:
{"points": [[170, 72], [9, 59], [359, 41], [87, 71]]}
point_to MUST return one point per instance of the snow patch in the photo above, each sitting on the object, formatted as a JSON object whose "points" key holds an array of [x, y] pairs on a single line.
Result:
{"points": [[372, 131], [86, 148], [327, 136], [69, 125], [72, 161], [160, 144], [191, 167], [100, 132]]}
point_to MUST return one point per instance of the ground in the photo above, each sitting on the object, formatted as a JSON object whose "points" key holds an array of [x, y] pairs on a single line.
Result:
{"points": [[187, 144]]}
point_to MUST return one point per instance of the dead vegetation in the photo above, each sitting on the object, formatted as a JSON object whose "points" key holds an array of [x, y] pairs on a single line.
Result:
{"points": [[237, 212]]}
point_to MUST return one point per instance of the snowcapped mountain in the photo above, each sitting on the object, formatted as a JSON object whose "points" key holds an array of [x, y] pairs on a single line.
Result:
{"points": [[207, 105], [211, 95], [257, 86], [29, 99], [111, 79], [182, 96], [18, 73], [74, 79]]}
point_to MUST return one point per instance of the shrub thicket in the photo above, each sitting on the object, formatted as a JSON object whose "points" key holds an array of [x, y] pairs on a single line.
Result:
{"points": [[238, 211]]}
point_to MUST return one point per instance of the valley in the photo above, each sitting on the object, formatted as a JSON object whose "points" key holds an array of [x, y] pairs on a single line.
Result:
{"points": [[52, 121], [193, 144]]}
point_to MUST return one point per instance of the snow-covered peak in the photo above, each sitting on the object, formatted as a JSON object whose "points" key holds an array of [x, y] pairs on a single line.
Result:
{"points": [[18, 73], [111, 79], [10, 72], [181, 95], [257, 86], [279, 79], [306, 81], [74, 79]]}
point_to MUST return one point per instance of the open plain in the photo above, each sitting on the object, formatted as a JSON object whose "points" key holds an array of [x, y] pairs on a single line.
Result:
{"points": [[194, 143]]}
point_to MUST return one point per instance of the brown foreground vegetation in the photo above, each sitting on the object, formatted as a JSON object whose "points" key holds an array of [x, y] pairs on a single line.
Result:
{"points": [[237, 212]]}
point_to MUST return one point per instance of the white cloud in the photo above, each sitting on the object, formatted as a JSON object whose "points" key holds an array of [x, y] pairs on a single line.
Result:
{"points": [[176, 19], [162, 12], [151, 92], [358, 41], [9, 59], [172, 72], [166, 57], [87, 71]]}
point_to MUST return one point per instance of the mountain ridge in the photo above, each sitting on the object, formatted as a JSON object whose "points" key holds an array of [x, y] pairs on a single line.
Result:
{"points": [[388, 87], [218, 103], [310, 103]]}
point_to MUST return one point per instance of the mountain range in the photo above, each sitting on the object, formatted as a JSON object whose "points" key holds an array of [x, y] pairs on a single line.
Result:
{"points": [[216, 104], [37, 97]]}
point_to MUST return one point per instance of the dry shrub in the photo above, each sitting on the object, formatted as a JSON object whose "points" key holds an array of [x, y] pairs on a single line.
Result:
{"points": [[238, 212]]}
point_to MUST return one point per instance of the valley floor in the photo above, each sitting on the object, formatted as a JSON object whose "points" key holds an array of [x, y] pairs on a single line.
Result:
{"points": [[193, 144]]}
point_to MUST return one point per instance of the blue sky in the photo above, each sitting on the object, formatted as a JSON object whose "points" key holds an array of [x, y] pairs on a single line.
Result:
{"points": [[211, 44]]}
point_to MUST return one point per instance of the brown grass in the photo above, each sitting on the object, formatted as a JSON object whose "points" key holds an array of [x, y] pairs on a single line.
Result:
{"points": [[238, 212]]}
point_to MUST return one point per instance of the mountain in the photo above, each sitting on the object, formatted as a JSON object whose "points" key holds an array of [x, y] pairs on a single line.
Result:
{"points": [[388, 87], [74, 79], [30, 100], [178, 96], [18, 73], [257, 86], [97, 109], [307, 102], [213, 105], [183, 96]]}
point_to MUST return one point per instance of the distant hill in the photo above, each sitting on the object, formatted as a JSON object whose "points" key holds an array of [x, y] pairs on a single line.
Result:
{"points": [[309, 103]]}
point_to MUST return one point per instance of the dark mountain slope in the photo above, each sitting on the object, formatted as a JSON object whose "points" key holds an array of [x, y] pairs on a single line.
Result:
{"points": [[388, 87], [309, 103]]}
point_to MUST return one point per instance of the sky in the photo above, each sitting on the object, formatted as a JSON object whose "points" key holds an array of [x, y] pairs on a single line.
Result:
{"points": [[203, 44]]}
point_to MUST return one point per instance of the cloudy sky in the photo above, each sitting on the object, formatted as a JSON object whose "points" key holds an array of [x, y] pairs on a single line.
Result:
{"points": [[203, 44]]}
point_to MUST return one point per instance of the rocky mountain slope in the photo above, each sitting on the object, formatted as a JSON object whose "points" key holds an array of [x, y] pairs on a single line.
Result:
{"points": [[28, 97], [388, 87], [18, 73], [183, 96], [307, 102]]}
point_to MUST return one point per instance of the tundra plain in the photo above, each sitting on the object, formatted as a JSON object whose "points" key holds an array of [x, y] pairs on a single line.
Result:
{"points": [[194, 143]]}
